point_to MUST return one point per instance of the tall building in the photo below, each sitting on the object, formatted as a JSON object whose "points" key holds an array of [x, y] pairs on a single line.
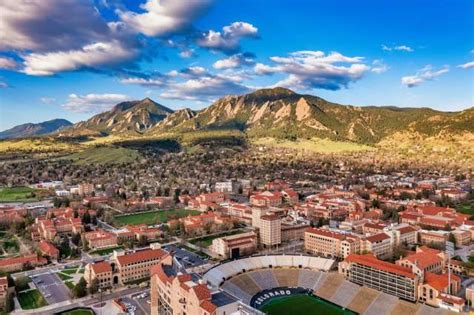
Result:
{"points": [[328, 243], [270, 230]]}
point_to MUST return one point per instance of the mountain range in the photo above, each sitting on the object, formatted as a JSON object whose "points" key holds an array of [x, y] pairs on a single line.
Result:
{"points": [[278, 113], [31, 130]]}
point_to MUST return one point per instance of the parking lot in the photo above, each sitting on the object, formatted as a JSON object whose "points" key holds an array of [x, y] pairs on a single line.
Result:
{"points": [[51, 287], [137, 303], [185, 257]]}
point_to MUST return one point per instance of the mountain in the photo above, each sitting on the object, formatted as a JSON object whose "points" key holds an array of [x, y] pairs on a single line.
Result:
{"points": [[30, 129], [133, 117], [282, 113]]}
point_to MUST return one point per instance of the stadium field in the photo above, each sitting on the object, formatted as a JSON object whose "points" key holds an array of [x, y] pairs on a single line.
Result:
{"points": [[301, 304]]}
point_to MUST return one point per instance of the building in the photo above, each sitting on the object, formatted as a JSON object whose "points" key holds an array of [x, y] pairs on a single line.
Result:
{"points": [[101, 272], [136, 266], [175, 292], [426, 259], [293, 232], [19, 263], [367, 270], [328, 243], [270, 230], [124, 267], [267, 199], [4, 294], [404, 281], [228, 187], [381, 245], [48, 250], [100, 239], [85, 189], [436, 238], [462, 237], [235, 246]]}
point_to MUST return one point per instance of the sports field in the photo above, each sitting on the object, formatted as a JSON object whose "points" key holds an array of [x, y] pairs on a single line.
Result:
{"points": [[153, 217], [302, 304]]}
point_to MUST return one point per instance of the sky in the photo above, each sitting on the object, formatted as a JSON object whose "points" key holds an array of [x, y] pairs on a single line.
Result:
{"points": [[74, 58]]}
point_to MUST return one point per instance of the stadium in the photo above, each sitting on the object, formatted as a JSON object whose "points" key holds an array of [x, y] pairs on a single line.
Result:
{"points": [[297, 284]]}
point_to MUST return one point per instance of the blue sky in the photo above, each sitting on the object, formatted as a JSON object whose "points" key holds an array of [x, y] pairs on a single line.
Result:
{"points": [[189, 53]]}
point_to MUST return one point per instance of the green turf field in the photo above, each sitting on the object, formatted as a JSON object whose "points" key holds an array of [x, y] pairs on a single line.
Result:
{"points": [[17, 194], [153, 217], [302, 304]]}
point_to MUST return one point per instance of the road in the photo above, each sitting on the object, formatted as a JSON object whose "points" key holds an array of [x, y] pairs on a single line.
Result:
{"points": [[86, 301]]}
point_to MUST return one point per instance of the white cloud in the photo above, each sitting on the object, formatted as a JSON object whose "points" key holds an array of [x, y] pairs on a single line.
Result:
{"points": [[47, 100], [164, 17], [425, 74], [187, 53], [3, 85], [316, 70], [205, 88], [93, 103], [235, 61], [467, 65], [44, 25], [397, 48], [8, 63], [144, 81], [378, 66], [90, 56], [228, 40]]}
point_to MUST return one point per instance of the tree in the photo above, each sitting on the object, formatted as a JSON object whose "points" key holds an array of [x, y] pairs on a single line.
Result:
{"points": [[76, 239], [64, 248], [76, 213], [94, 287], [80, 290], [86, 218]]}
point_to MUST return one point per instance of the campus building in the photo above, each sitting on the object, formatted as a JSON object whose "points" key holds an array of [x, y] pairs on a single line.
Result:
{"points": [[174, 292], [235, 246], [124, 267], [270, 230]]}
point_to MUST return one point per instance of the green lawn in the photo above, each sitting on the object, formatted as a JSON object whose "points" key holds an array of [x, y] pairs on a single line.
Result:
{"points": [[70, 285], [70, 271], [105, 251], [104, 155], [207, 240], [10, 244], [31, 299], [153, 217], [63, 276], [466, 207], [17, 194], [80, 311], [301, 304]]}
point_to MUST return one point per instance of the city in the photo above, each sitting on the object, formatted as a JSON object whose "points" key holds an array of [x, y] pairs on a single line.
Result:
{"points": [[237, 157]]}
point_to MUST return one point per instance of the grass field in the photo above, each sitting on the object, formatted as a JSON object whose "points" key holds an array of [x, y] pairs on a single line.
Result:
{"points": [[207, 240], [63, 276], [17, 194], [69, 271], [153, 217], [301, 304], [466, 207], [70, 284], [80, 311], [31, 299], [104, 155], [105, 251], [313, 145], [35, 145]]}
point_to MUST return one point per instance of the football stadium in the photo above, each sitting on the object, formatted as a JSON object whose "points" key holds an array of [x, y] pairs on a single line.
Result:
{"points": [[297, 284]]}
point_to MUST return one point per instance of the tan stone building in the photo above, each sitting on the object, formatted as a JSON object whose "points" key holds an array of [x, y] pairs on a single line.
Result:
{"points": [[235, 246], [323, 242], [173, 292], [124, 267], [270, 230]]}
